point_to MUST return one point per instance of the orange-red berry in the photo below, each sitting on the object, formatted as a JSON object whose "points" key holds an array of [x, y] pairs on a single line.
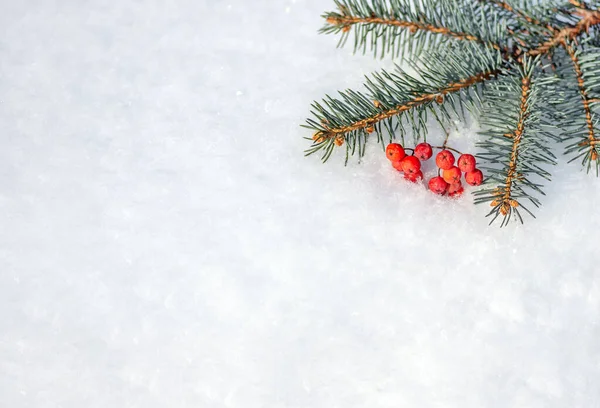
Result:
{"points": [[394, 152], [455, 190], [397, 165], [474, 178], [410, 165], [466, 163], [444, 159], [423, 151], [438, 185], [452, 175], [414, 177]]}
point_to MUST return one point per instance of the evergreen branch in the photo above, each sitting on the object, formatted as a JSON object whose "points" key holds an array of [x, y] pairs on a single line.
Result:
{"points": [[345, 22], [590, 143], [500, 42], [389, 24], [393, 100], [531, 22], [516, 133], [505, 201], [588, 19], [518, 13], [408, 105], [584, 96]]}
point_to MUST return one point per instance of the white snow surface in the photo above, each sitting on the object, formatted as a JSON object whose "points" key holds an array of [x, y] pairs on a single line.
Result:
{"points": [[164, 242]]}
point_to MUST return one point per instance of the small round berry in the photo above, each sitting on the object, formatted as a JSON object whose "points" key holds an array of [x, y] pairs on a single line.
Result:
{"points": [[414, 177], [466, 163], [394, 152], [438, 185], [397, 165], [474, 178], [455, 190], [423, 151], [444, 159], [452, 175], [410, 164]]}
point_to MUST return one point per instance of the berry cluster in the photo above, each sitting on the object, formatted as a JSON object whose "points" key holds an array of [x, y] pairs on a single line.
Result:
{"points": [[449, 179]]}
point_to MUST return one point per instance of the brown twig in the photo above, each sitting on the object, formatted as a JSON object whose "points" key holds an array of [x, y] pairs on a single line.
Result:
{"points": [[505, 200], [446, 140], [446, 147]]}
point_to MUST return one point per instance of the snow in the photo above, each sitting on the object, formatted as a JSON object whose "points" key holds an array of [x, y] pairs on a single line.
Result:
{"points": [[165, 243]]}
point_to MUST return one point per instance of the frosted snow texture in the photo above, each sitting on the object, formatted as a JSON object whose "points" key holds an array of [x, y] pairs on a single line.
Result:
{"points": [[165, 244]]}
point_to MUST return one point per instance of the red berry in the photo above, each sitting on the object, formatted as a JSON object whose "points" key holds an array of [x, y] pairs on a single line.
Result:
{"points": [[410, 164], [455, 190], [452, 175], [397, 165], [444, 159], [466, 163], [394, 152], [438, 185], [423, 151], [414, 177], [474, 178]]}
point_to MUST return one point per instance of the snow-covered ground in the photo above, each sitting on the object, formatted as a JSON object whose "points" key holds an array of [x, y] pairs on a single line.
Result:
{"points": [[164, 243]]}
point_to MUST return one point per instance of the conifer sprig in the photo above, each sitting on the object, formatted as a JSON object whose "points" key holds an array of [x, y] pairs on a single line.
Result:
{"points": [[519, 15], [585, 134], [385, 27], [517, 140], [394, 101], [589, 18], [524, 67]]}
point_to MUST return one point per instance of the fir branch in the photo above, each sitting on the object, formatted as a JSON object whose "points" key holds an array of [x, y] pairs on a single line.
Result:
{"points": [[530, 23], [345, 22], [418, 100], [518, 14], [356, 132], [506, 201], [501, 42], [389, 24], [588, 147], [392, 99], [516, 141], [588, 19]]}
